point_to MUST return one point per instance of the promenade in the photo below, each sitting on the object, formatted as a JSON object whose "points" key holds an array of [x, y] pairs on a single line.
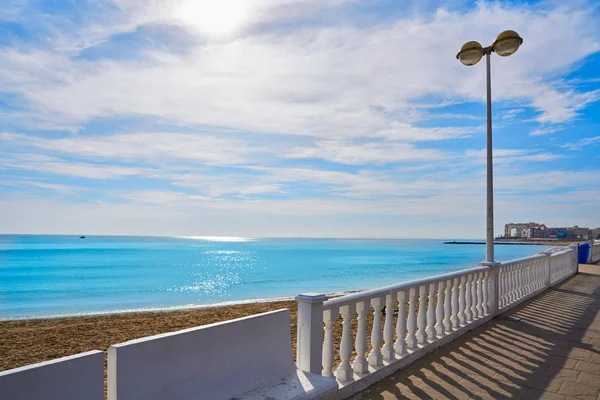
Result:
{"points": [[546, 348]]}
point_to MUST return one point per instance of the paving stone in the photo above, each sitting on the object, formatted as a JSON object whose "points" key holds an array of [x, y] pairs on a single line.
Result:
{"points": [[589, 379], [566, 374], [579, 391], [541, 382], [584, 366], [541, 395], [575, 353]]}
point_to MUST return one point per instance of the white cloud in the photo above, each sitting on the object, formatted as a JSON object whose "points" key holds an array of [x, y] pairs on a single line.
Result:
{"points": [[545, 130], [510, 156], [581, 143], [356, 153], [45, 164], [150, 147], [338, 81]]}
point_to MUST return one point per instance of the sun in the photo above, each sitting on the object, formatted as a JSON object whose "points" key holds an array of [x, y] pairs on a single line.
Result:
{"points": [[213, 16]]}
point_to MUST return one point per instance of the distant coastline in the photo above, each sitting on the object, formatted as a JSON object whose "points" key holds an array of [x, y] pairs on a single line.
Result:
{"points": [[520, 242]]}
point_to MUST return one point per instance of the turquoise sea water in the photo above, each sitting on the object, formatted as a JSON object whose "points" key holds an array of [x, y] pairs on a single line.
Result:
{"points": [[64, 275]]}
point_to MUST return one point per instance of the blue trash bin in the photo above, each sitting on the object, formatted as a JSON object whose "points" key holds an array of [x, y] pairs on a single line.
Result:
{"points": [[584, 252]]}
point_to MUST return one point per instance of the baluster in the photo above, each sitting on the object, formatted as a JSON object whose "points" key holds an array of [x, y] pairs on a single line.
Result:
{"points": [[329, 318], [479, 294], [484, 292], [468, 287], [421, 317], [461, 301], [534, 269], [400, 344], [430, 330], [501, 289], [541, 273], [360, 364], [344, 371], [528, 280], [517, 282], [455, 305], [439, 310], [508, 285], [448, 307], [490, 288], [411, 338], [521, 280], [388, 329], [530, 276], [474, 296], [509, 282], [375, 356]]}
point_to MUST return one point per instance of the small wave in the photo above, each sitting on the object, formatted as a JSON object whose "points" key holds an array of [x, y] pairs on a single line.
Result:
{"points": [[219, 238], [171, 308]]}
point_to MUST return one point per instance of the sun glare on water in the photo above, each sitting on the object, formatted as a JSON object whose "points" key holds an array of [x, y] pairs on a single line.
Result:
{"points": [[213, 16]]}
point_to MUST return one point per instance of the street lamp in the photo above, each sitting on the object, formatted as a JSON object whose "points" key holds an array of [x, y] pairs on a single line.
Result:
{"points": [[506, 44]]}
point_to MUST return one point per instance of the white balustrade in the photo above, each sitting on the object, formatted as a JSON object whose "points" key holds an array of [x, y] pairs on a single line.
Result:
{"points": [[431, 312]]}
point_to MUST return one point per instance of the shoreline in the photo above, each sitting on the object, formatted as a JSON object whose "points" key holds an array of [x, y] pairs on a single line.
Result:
{"points": [[184, 307]]}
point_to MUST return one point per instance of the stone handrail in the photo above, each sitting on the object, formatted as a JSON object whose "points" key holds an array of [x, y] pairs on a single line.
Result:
{"points": [[413, 318]]}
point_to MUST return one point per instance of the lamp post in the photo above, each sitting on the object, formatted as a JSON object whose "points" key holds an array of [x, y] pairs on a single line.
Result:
{"points": [[506, 44]]}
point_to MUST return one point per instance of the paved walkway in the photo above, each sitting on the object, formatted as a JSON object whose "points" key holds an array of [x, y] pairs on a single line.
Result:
{"points": [[547, 348]]}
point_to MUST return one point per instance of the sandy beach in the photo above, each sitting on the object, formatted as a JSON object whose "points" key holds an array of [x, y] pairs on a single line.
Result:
{"points": [[24, 342]]}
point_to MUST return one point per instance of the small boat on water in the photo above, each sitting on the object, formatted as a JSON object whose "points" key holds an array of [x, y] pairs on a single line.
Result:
{"points": [[81, 237]]}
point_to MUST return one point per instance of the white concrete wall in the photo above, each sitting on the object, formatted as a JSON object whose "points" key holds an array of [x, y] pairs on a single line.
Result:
{"points": [[76, 377], [216, 361]]}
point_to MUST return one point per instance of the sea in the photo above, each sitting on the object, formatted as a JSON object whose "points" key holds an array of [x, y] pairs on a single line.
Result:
{"points": [[47, 276]]}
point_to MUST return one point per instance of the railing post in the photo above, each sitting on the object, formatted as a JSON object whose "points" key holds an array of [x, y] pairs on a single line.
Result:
{"points": [[548, 264], [575, 248], [495, 286], [309, 341]]}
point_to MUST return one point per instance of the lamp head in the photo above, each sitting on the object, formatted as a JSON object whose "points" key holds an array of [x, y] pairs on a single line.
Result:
{"points": [[470, 53], [507, 43]]}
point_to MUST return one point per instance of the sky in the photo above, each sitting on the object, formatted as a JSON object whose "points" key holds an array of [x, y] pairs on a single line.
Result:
{"points": [[311, 118]]}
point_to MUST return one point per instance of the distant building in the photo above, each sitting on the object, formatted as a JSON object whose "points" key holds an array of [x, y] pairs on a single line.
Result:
{"points": [[526, 230], [533, 230]]}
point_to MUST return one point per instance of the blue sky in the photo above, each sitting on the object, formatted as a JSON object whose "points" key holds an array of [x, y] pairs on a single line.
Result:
{"points": [[293, 117]]}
